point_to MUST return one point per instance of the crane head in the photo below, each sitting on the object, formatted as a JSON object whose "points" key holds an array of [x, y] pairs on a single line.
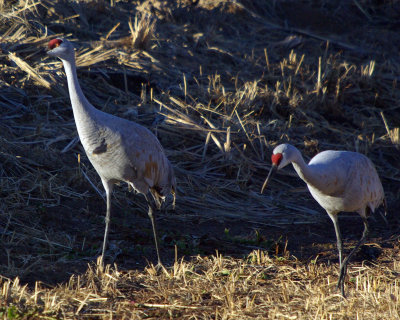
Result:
{"points": [[54, 43], [60, 48], [281, 157], [276, 158]]}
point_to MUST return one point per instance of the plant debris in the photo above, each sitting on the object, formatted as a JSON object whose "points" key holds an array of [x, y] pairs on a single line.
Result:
{"points": [[220, 83]]}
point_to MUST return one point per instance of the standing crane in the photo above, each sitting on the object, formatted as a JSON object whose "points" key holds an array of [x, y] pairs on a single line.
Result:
{"points": [[338, 181], [119, 150]]}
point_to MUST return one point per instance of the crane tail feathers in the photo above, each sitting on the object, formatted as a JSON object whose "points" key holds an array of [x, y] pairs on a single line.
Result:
{"points": [[159, 197], [385, 206]]}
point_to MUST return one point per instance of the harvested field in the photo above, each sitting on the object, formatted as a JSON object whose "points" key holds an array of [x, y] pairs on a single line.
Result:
{"points": [[220, 83]]}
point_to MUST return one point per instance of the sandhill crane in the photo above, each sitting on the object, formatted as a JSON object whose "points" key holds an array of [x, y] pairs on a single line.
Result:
{"points": [[119, 150], [338, 181]]}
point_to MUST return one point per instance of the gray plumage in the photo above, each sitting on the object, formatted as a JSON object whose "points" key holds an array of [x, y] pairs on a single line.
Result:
{"points": [[119, 150], [338, 181]]}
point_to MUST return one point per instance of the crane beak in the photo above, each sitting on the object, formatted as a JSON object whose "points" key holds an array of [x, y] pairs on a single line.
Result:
{"points": [[271, 173]]}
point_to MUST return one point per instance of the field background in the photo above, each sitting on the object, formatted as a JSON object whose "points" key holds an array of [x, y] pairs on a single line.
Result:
{"points": [[220, 83]]}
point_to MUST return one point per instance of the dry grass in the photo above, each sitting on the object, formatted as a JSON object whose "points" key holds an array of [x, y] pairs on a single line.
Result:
{"points": [[215, 288], [220, 83]]}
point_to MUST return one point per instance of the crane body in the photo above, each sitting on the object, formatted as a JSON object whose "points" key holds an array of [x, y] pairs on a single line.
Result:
{"points": [[338, 181], [119, 149]]}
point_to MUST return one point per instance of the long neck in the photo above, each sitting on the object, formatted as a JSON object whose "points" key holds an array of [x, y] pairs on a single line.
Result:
{"points": [[83, 110], [305, 172]]}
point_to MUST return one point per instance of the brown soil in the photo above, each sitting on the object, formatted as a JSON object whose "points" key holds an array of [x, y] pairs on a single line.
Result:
{"points": [[51, 215]]}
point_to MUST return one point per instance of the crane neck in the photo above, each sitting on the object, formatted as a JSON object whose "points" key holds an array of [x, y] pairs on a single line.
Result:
{"points": [[306, 172], [81, 107]]}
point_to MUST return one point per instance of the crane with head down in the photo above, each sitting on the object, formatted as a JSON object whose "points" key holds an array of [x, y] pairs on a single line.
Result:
{"points": [[338, 181]]}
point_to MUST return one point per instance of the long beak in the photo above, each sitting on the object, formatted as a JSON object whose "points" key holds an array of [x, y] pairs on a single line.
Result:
{"points": [[271, 173]]}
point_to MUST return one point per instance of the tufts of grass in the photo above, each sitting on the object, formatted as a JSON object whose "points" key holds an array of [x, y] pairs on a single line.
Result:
{"points": [[220, 83], [213, 287]]}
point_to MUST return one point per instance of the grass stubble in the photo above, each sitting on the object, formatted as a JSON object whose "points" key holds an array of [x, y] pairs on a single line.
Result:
{"points": [[220, 83]]}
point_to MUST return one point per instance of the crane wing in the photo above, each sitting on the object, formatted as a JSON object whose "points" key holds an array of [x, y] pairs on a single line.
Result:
{"points": [[330, 172], [147, 156], [347, 180]]}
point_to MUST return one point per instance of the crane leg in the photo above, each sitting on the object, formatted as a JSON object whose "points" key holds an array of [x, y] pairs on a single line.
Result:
{"points": [[151, 214], [339, 241], [343, 267], [108, 187]]}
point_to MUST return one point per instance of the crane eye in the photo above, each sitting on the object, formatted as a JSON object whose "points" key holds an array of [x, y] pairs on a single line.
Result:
{"points": [[54, 43], [276, 158]]}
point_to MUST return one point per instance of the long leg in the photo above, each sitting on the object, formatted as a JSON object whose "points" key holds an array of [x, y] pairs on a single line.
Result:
{"points": [[343, 267], [108, 186], [334, 218], [151, 214]]}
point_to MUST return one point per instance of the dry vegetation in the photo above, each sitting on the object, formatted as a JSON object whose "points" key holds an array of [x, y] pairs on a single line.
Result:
{"points": [[220, 83]]}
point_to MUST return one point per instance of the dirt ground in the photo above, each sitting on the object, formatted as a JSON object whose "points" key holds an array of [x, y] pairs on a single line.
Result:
{"points": [[132, 245], [48, 241]]}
